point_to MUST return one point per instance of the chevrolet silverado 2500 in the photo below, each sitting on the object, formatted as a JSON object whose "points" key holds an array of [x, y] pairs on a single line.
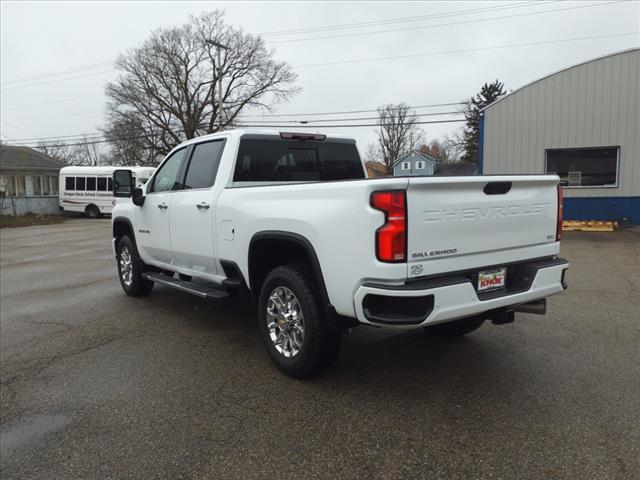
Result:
{"points": [[291, 218]]}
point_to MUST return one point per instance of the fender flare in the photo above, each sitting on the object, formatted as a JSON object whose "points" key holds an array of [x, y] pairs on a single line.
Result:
{"points": [[305, 244], [128, 222]]}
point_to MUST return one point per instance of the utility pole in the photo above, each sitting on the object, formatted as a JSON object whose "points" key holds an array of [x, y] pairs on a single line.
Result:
{"points": [[219, 48]]}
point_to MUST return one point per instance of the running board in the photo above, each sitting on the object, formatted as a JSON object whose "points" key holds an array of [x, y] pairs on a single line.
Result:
{"points": [[202, 291]]}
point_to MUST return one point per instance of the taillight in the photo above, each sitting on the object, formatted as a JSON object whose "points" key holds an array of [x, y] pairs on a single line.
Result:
{"points": [[560, 214], [391, 238]]}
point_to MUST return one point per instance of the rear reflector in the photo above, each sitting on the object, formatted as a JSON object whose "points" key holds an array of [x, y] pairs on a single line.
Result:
{"points": [[560, 214], [391, 238], [302, 136]]}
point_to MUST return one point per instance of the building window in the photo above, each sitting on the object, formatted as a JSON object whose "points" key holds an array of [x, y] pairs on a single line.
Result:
{"points": [[7, 185], [584, 167], [54, 185], [406, 166], [420, 164], [36, 182], [21, 186]]}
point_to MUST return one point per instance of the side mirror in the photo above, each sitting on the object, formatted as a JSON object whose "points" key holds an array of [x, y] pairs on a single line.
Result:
{"points": [[138, 197], [123, 184]]}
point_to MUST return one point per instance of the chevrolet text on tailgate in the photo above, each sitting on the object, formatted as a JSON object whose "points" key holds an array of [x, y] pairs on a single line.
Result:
{"points": [[291, 218]]}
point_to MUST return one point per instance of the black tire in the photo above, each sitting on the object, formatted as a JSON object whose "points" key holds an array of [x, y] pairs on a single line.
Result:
{"points": [[321, 341], [92, 211], [135, 285], [457, 328]]}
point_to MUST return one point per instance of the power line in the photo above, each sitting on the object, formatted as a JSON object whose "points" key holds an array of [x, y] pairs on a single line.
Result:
{"points": [[464, 22], [59, 72], [344, 112], [348, 26], [306, 30], [242, 125], [303, 122], [52, 101], [57, 116], [353, 35], [58, 80], [464, 50]]}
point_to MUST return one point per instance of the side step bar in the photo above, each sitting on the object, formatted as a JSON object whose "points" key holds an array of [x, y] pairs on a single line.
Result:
{"points": [[202, 291]]}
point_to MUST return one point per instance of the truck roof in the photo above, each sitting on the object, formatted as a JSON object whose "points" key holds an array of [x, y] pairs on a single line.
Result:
{"points": [[239, 132], [101, 170]]}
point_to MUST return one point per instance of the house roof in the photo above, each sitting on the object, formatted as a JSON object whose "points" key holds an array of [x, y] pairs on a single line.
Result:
{"points": [[24, 158], [423, 156], [602, 57]]}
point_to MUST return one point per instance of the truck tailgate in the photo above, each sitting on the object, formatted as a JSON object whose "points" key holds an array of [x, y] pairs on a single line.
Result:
{"points": [[466, 218]]}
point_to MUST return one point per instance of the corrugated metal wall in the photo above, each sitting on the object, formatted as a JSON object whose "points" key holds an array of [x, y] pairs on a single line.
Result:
{"points": [[593, 104]]}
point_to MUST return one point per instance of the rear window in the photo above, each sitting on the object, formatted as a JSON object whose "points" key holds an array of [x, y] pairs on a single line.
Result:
{"points": [[295, 161]]}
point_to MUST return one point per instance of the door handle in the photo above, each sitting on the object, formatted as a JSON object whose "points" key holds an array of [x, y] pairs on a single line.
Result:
{"points": [[203, 206], [163, 206]]}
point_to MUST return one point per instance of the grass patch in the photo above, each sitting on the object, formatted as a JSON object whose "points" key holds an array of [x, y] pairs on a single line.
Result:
{"points": [[29, 220]]}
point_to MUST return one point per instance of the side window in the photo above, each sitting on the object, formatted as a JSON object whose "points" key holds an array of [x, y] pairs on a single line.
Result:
{"points": [[70, 183], [102, 184], [80, 183], [110, 184], [204, 164], [167, 176], [91, 183]]}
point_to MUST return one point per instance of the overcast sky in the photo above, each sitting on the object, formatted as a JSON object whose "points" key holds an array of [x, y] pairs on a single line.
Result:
{"points": [[39, 38]]}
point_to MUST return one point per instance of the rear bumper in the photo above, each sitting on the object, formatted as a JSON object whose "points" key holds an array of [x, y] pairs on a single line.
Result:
{"points": [[443, 298]]}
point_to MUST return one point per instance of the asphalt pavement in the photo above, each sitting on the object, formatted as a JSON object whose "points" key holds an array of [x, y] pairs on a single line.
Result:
{"points": [[97, 385]]}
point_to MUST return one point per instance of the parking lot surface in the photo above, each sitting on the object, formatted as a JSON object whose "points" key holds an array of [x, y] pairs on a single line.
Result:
{"points": [[99, 385]]}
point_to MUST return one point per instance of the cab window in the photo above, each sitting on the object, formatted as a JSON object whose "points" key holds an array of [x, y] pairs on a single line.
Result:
{"points": [[203, 164], [166, 178]]}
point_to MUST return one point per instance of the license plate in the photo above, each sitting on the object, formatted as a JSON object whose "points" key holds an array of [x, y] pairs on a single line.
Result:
{"points": [[493, 279]]}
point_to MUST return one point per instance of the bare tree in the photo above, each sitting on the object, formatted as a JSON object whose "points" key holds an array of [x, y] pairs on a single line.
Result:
{"points": [[58, 150], [398, 133], [169, 88], [80, 152], [132, 144], [88, 153]]}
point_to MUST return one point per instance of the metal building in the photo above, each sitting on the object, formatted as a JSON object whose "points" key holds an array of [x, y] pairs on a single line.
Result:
{"points": [[582, 123]]}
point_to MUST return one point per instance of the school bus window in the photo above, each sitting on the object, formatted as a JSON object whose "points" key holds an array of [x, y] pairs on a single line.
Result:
{"points": [[102, 184], [70, 183], [91, 183]]}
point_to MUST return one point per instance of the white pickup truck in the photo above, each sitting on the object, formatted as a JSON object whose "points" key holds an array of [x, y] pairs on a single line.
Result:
{"points": [[291, 218]]}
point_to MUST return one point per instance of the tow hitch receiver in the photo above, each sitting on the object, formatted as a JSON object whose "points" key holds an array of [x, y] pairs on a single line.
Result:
{"points": [[501, 316]]}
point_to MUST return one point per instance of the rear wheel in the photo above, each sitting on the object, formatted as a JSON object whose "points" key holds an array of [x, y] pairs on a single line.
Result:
{"points": [[130, 269], [92, 211], [456, 328], [298, 337]]}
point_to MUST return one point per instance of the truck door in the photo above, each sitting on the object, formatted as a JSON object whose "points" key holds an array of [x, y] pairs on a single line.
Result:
{"points": [[152, 218], [192, 215]]}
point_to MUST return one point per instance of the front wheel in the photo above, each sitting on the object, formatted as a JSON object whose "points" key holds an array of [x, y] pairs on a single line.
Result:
{"points": [[293, 326], [130, 269]]}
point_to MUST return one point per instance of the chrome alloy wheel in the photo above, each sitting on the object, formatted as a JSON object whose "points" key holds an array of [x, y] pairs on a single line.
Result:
{"points": [[285, 321], [126, 266]]}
